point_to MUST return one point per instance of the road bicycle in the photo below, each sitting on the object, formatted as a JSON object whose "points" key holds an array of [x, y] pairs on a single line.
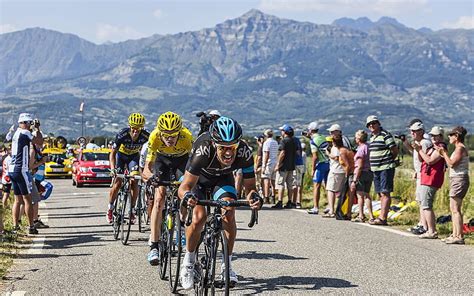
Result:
{"points": [[123, 209], [213, 246]]}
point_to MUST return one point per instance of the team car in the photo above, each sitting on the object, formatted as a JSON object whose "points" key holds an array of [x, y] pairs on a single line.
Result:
{"points": [[92, 166], [59, 164]]}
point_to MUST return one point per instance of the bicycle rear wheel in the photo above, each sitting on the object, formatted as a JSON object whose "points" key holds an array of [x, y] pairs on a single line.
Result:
{"points": [[175, 252]]}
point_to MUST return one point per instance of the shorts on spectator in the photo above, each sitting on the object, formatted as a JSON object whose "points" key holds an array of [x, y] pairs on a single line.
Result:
{"points": [[269, 173], [35, 195], [427, 194], [383, 180], [298, 176], [22, 182], [365, 181], [418, 194], [284, 177], [458, 186], [335, 182], [321, 173]]}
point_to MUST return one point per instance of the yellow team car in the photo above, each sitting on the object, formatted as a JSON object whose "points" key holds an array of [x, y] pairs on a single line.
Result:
{"points": [[60, 165]]}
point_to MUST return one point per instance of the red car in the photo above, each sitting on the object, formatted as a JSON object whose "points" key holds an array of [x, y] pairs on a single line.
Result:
{"points": [[91, 167]]}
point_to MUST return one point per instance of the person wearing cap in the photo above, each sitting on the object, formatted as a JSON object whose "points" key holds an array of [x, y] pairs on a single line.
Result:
{"points": [[417, 131], [320, 163], [19, 170], [336, 130], [285, 166], [431, 179], [383, 153], [269, 161], [458, 164]]}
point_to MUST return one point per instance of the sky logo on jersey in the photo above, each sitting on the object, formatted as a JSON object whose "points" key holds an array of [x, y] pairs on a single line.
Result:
{"points": [[244, 153], [203, 150]]}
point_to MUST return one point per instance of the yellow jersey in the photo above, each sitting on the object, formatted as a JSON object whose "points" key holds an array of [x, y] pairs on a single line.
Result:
{"points": [[156, 146]]}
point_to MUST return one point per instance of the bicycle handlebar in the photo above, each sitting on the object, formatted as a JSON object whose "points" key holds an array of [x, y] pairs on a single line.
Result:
{"points": [[222, 204]]}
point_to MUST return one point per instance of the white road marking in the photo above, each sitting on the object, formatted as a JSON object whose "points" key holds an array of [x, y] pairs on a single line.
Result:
{"points": [[37, 247], [79, 193], [16, 293], [385, 228]]}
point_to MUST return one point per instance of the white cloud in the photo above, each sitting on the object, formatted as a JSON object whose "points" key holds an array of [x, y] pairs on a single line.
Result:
{"points": [[463, 22], [7, 28], [107, 32], [157, 13], [380, 7]]}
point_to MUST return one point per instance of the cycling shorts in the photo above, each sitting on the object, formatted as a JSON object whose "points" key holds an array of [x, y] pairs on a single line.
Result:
{"points": [[321, 173], [219, 187], [165, 166], [22, 182], [129, 162]]}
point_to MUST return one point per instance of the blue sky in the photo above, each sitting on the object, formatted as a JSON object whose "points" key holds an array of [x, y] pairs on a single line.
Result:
{"points": [[117, 20]]}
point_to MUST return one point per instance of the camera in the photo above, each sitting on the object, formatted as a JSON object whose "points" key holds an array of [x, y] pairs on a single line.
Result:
{"points": [[401, 137]]}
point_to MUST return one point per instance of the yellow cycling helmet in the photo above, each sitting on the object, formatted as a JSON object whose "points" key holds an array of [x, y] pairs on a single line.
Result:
{"points": [[169, 122], [136, 120]]}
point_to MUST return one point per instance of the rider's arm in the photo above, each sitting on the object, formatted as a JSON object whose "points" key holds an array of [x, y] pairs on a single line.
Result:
{"points": [[112, 156], [148, 170], [187, 185]]}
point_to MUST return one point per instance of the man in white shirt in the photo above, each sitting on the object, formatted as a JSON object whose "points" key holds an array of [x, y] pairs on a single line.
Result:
{"points": [[269, 160]]}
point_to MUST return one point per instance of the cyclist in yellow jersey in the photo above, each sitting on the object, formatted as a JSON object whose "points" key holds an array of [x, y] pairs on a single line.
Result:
{"points": [[169, 146]]}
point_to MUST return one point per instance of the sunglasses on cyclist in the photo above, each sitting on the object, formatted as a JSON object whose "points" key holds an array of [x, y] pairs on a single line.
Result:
{"points": [[170, 135], [232, 147]]}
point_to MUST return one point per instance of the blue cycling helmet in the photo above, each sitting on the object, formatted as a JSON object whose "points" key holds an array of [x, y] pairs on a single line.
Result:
{"points": [[225, 130]]}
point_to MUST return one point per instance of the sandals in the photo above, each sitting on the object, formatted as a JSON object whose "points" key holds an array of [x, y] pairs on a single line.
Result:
{"points": [[378, 222], [328, 215], [359, 220]]}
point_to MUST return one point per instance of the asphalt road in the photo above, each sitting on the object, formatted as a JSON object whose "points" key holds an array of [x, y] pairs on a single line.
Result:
{"points": [[288, 253]]}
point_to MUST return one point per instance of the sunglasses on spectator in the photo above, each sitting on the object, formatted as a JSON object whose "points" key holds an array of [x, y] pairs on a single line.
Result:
{"points": [[232, 147]]}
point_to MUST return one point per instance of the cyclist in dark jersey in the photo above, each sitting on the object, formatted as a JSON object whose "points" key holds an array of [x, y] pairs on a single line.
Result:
{"points": [[126, 154], [215, 155]]}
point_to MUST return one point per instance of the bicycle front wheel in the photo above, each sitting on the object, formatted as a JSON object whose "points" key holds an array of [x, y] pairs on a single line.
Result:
{"points": [[175, 252], [127, 212], [219, 254]]}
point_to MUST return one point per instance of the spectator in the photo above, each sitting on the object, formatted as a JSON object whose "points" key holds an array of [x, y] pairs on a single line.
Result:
{"points": [[285, 166], [417, 131], [363, 177], [336, 178], [19, 171], [269, 161], [458, 164], [299, 192], [431, 179], [346, 159], [37, 166], [5, 179], [383, 152], [298, 173], [320, 164], [335, 130], [92, 144], [258, 163]]}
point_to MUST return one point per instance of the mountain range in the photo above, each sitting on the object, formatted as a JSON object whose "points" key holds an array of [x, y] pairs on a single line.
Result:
{"points": [[260, 69]]}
